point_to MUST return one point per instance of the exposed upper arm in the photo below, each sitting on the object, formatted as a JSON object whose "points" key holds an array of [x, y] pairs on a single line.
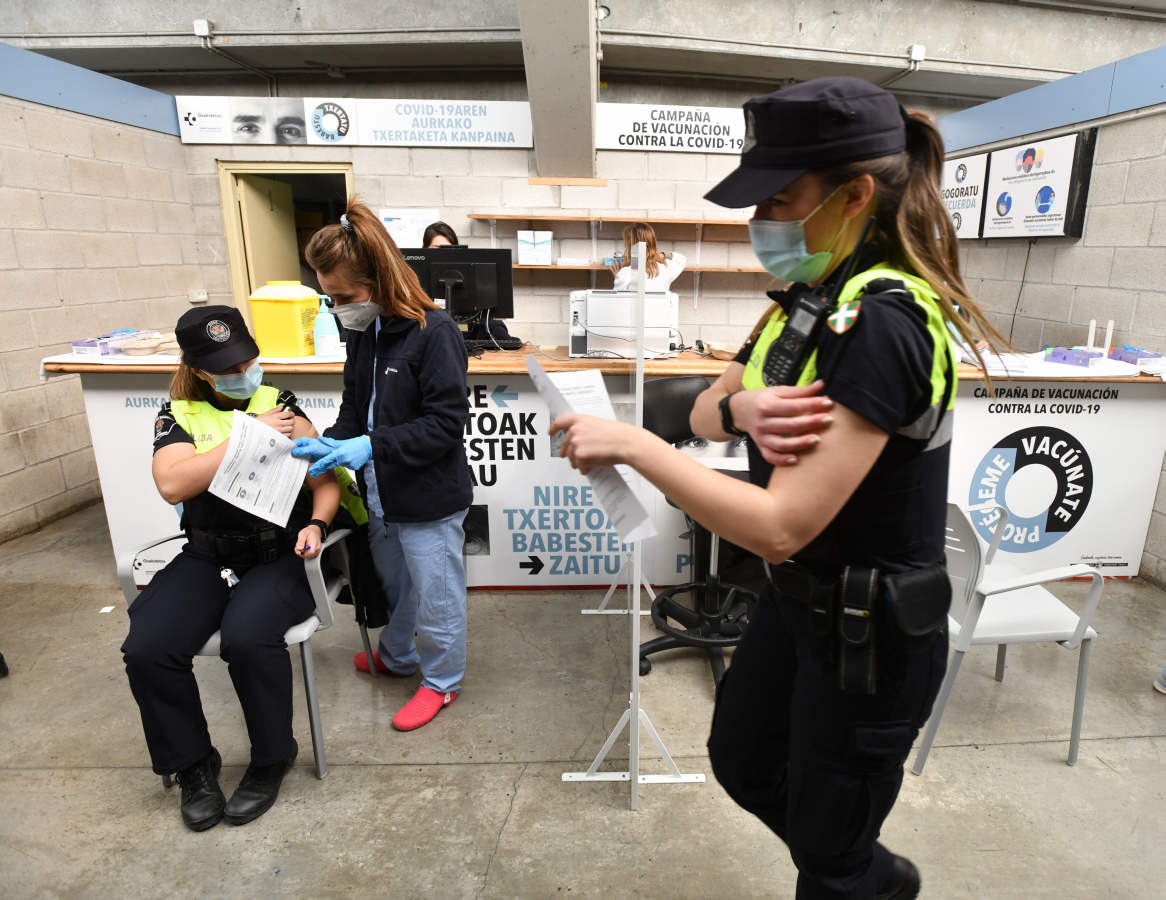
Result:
{"points": [[166, 458], [301, 427], [811, 494]]}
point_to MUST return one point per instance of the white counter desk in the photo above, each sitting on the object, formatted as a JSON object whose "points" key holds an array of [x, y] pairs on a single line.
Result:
{"points": [[1076, 462]]}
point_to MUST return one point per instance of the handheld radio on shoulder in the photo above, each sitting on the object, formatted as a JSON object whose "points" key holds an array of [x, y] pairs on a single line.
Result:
{"points": [[788, 353]]}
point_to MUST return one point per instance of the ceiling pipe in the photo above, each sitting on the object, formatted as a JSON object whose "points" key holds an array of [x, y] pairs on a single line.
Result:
{"points": [[204, 32]]}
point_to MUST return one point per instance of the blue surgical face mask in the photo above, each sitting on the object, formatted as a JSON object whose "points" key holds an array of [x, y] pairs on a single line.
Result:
{"points": [[240, 385], [781, 249]]}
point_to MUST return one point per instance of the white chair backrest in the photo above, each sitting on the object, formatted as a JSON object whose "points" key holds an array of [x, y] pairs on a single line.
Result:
{"points": [[965, 560], [324, 592], [136, 568]]}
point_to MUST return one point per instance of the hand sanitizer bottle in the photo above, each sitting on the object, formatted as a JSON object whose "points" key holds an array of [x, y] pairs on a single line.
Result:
{"points": [[325, 333]]}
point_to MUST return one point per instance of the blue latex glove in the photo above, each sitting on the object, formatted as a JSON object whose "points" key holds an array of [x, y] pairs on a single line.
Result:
{"points": [[310, 448], [352, 453]]}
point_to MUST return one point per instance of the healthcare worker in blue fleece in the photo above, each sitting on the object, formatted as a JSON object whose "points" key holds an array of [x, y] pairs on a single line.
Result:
{"points": [[400, 427]]}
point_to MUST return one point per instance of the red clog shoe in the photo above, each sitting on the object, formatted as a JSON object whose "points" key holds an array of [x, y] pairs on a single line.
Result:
{"points": [[361, 663], [426, 704]]}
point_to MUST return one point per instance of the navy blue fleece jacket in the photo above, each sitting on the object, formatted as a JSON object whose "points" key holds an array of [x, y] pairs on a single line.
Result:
{"points": [[420, 415]]}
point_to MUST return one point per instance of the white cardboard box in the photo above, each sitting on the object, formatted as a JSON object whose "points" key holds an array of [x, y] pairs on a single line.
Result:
{"points": [[534, 248]]}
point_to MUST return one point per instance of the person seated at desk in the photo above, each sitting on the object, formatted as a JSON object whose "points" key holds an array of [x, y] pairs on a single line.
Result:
{"points": [[661, 269], [438, 234], [190, 599]]}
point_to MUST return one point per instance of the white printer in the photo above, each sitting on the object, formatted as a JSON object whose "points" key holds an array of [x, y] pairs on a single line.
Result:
{"points": [[603, 323]]}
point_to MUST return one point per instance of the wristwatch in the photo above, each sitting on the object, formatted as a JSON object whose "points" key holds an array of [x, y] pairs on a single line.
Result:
{"points": [[727, 416], [322, 525]]}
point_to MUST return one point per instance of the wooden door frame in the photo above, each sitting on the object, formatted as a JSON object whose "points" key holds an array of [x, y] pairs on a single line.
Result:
{"points": [[233, 223]]}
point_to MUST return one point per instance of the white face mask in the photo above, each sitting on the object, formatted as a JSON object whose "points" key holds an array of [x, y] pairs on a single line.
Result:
{"points": [[356, 316], [781, 249]]}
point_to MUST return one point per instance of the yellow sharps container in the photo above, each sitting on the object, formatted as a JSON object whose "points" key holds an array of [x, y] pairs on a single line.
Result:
{"points": [[283, 313]]}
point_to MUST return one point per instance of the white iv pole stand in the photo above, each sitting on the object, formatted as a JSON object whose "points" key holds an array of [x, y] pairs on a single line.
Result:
{"points": [[634, 716]]}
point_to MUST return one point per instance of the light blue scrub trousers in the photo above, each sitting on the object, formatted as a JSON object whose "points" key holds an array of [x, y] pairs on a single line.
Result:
{"points": [[421, 570]]}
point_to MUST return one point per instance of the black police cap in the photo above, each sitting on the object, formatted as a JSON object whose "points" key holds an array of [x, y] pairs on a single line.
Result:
{"points": [[813, 125], [214, 338]]}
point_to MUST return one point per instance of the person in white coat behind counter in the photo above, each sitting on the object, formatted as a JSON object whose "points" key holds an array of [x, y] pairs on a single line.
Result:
{"points": [[661, 269]]}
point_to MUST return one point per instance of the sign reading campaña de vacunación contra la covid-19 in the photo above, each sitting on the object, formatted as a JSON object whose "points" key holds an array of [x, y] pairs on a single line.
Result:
{"points": [[676, 129]]}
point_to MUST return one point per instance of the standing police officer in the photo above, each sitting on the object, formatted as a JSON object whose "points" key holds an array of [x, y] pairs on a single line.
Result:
{"points": [[838, 670]]}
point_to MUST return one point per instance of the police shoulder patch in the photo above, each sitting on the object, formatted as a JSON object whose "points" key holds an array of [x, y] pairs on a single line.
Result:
{"points": [[842, 319], [164, 423]]}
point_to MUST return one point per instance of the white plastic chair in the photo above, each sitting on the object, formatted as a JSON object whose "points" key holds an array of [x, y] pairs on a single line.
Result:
{"points": [[135, 569], [993, 606]]}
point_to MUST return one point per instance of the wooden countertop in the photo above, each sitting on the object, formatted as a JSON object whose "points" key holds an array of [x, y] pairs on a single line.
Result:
{"points": [[553, 360]]}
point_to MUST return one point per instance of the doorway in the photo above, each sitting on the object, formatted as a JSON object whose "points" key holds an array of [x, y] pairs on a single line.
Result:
{"points": [[270, 211]]}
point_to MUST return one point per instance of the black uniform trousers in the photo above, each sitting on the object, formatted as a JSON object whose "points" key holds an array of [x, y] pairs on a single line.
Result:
{"points": [[172, 618], [820, 767]]}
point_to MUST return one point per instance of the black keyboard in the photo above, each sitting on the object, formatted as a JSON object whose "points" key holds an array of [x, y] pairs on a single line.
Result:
{"points": [[507, 343]]}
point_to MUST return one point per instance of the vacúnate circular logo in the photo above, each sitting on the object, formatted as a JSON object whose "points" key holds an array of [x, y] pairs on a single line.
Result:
{"points": [[330, 121], [961, 172], [1003, 204], [1059, 455]]}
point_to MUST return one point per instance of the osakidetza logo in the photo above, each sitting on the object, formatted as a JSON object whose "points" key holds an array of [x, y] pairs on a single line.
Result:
{"points": [[1054, 480]]}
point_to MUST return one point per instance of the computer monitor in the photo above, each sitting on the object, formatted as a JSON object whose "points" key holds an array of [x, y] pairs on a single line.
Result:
{"points": [[470, 281]]}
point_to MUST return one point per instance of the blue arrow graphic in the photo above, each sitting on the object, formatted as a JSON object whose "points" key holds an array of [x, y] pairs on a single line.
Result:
{"points": [[500, 395]]}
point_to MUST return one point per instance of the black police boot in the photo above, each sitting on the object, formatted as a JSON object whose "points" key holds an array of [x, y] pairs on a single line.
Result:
{"points": [[258, 790], [202, 800], [903, 882]]}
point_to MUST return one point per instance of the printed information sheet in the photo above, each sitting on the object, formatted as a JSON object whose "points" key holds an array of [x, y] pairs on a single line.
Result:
{"points": [[583, 392], [258, 473]]}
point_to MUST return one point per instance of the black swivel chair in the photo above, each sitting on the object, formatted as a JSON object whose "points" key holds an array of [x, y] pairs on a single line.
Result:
{"points": [[719, 611]]}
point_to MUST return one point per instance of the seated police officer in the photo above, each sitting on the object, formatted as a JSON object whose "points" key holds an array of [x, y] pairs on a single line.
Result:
{"points": [[238, 573]]}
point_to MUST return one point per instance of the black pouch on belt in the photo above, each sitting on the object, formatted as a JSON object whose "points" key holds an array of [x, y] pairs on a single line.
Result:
{"points": [[919, 601], [858, 592], [270, 543]]}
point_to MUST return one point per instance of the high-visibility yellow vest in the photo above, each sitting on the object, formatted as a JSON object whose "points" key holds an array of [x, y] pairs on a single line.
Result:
{"points": [[943, 380], [209, 426]]}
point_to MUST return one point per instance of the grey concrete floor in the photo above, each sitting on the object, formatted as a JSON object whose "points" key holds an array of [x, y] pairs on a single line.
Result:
{"points": [[473, 806]]}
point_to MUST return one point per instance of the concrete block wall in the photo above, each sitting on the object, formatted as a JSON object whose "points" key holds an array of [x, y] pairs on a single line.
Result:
{"points": [[96, 232], [1045, 291]]}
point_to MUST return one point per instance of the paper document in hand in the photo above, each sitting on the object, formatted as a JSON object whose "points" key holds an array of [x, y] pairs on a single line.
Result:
{"points": [[584, 392], [258, 474]]}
